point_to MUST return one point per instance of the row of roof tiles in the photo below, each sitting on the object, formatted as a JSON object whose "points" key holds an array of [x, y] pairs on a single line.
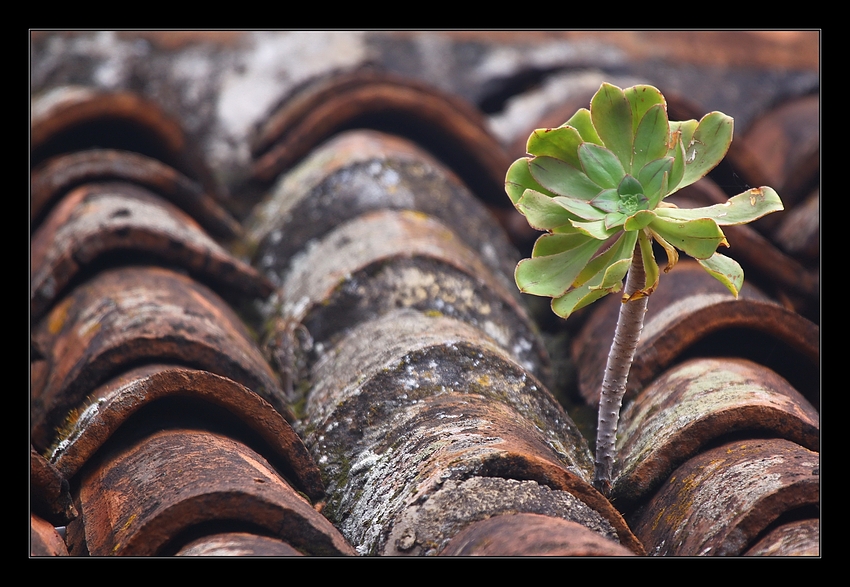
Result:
{"points": [[392, 343]]}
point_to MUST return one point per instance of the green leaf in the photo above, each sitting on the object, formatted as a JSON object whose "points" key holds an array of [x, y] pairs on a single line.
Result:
{"points": [[566, 229], [518, 179], [607, 201], [552, 275], [641, 98], [629, 186], [578, 298], [584, 210], [670, 250], [542, 212], [602, 276], [596, 228], [653, 179], [582, 122], [685, 129], [615, 219], [612, 279], [708, 146], [725, 270], [639, 220], [650, 265], [562, 178], [623, 248], [561, 143], [611, 114], [740, 209], [600, 165], [651, 137], [552, 244], [677, 171], [699, 238]]}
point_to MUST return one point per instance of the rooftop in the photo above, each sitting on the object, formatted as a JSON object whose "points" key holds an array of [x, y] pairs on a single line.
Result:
{"points": [[273, 309]]}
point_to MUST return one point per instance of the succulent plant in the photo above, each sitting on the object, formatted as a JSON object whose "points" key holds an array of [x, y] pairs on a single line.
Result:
{"points": [[596, 185]]}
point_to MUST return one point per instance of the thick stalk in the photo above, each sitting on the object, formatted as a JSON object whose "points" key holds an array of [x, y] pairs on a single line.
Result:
{"points": [[626, 337]]}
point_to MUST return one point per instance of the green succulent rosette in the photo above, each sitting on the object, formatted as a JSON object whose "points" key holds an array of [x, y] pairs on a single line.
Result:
{"points": [[596, 185]]}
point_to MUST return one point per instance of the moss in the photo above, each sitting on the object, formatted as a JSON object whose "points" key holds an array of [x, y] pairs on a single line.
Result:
{"points": [[63, 431], [73, 425], [57, 318], [299, 406], [339, 479]]}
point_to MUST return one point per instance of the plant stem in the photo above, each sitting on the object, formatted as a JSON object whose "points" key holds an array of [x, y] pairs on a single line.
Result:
{"points": [[620, 357]]}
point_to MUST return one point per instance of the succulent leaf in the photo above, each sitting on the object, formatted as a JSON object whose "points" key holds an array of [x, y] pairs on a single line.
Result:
{"points": [[578, 298], [561, 178], [741, 209], [685, 130], [596, 229], [699, 238], [552, 275], [651, 137], [615, 219], [542, 211], [600, 165], [725, 270], [561, 143], [629, 186], [670, 250], [641, 98], [650, 266], [707, 147], [518, 179], [639, 220], [623, 248], [653, 178], [582, 122], [552, 244], [677, 170], [582, 209], [607, 201], [612, 118], [603, 275]]}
